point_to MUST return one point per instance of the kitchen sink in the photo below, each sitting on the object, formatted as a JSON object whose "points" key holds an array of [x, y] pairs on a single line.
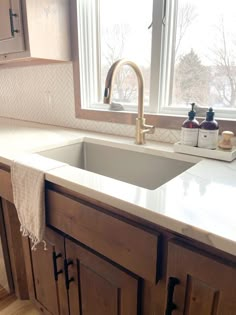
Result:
{"points": [[134, 167]]}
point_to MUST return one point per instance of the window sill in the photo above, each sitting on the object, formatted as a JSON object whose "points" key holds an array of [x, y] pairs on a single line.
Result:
{"points": [[158, 120]]}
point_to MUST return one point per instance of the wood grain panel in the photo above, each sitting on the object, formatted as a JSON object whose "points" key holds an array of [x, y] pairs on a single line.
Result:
{"points": [[45, 285], [48, 295], [99, 287], [6, 280], [98, 296], [15, 246], [207, 285], [5, 185], [197, 293], [127, 245]]}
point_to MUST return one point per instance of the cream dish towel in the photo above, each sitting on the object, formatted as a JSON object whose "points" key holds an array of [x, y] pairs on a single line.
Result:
{"points": [[27, 175]]}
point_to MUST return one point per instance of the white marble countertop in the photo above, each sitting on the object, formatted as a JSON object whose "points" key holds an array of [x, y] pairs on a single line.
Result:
{"points": [[199, 203]]}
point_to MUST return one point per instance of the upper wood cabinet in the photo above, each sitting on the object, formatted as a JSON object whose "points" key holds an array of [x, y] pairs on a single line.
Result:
{"points": [[36, 31], [199, 283], [11, 29]]}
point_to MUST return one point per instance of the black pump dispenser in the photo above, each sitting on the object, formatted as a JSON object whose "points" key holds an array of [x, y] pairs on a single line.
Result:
{"points": [[192, 113], [210, 114]]}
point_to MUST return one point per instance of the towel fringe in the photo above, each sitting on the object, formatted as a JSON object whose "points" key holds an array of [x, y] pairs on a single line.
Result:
{"points": [[35, 241]]}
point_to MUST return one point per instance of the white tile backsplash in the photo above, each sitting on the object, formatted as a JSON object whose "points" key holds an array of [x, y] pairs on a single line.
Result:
{"points": [[45, 94]]}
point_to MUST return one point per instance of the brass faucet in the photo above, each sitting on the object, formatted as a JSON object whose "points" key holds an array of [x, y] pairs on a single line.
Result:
{"points": [[141, 127]]}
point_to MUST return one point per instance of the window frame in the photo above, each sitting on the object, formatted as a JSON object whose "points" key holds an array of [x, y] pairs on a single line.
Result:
{"points": [[166, 121]]}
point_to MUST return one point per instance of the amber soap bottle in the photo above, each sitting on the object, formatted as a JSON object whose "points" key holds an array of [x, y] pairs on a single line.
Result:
{"points": [[189, 130]]}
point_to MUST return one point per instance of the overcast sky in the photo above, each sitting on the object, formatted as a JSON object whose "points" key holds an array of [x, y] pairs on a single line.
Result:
{"points": [[202, 35]]}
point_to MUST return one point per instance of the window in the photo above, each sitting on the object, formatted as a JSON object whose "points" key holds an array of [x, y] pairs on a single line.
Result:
{"points": [[186, 50], [202, 66], [107, 32]]}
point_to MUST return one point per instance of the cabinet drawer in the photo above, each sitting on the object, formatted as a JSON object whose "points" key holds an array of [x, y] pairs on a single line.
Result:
{"points": [[125, 244], [5, 185]]}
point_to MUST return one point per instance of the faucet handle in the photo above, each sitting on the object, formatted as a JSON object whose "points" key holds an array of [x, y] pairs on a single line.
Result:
{"points": [[142, 129], [148, 128]]}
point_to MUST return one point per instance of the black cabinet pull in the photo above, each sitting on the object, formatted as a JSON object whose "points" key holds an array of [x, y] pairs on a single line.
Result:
{"points": [[54, 259], [170, 306], [68, 280], [12, 15]]}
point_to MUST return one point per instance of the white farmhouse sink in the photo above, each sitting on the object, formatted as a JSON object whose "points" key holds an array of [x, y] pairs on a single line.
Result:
{"points": [[133, 167]]}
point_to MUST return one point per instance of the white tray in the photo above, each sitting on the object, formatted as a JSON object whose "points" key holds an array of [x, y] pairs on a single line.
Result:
{"points": [[217, 154]]}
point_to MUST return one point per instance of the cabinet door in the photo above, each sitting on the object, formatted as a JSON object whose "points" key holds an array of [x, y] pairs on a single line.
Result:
{"points": [[97, 287], [47, 266], [5, 25], [14, 239], [5, 271], [199, 284], [11, 30]]}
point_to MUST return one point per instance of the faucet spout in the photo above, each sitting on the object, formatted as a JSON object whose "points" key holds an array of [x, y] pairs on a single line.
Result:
{"points": [[141, 127]]}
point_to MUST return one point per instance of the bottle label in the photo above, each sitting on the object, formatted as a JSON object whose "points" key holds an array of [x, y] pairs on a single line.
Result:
{"points": [[189, 136], [208, 139]]}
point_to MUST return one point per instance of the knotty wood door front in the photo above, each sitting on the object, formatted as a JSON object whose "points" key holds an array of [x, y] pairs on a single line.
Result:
{"points": [[97, 287], [48, 273], [6, 280], [199, 284]]}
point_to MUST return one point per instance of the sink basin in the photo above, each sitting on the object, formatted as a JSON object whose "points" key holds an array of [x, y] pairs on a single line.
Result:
{"points": [[141, 169]]}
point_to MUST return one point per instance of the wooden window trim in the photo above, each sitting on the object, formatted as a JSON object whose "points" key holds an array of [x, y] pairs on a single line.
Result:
{"points": [[158, 120]]}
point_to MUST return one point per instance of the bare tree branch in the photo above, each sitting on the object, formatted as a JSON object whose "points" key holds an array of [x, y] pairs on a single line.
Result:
{"points": [[186, 15], [225, 65]]}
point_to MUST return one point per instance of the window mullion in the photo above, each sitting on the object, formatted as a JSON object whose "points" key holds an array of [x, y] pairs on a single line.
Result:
{"points": [[168, 54], [157, 30], [88, 27]]}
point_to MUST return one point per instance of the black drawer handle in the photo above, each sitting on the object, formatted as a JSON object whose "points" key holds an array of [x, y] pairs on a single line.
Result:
{"points": [[170, 306], [68, 280], [54, 258]]}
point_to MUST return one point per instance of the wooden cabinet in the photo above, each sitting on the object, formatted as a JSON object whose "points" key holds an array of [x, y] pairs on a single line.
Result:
{"points": [[11, 28], [35, 31], [12, 242], [79, 281], [47, 268], [5, 26], [98, 287], [14, 245], [199, 283], [192, 282], [108, 235], [5, 271], [100, 262]]}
